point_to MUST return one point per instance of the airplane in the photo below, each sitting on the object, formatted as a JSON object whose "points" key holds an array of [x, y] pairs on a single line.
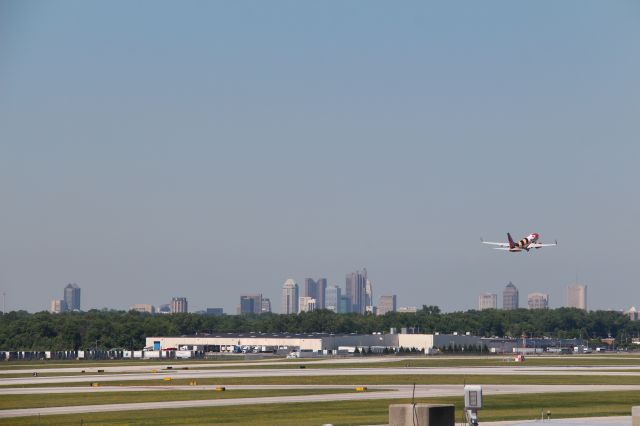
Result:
{"points": [[525, 244]]}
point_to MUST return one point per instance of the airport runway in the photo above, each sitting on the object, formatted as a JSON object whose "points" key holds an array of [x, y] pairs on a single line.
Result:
{"points": [[392, 392], [421, 390], [308, 372], [113, 367], [145, 367], [582, 421]]}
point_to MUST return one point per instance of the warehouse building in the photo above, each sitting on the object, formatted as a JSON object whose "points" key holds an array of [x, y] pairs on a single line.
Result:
{"points": [[315, 342]]}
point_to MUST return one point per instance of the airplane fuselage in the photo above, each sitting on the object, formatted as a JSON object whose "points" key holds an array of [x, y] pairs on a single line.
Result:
{"points": [[524, 243]]}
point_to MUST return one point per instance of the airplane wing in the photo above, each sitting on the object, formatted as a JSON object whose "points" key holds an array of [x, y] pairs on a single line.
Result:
{"points": [[495, 244], [501, 248], [538, 245]]}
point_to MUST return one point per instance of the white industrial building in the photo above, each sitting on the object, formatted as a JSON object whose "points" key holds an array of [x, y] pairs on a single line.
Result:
{"points": [[316, 342]]}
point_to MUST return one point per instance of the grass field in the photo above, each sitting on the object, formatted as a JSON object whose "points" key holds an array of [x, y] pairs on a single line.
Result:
{"points": [[498, 407], [69, 399]]}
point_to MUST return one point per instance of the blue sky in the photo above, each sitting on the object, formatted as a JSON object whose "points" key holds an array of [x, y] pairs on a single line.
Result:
{"points": [[206, 149]]}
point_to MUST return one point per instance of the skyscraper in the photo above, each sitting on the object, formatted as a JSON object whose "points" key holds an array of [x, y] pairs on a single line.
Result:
{"points": [[577, 296], [250, 304], [266, 305], [321, 286], [510, 297], [488, 301], [72, 297], [332, 298], [179, 305], [387, 304], [316, 289], [355, 289], [290, 297], [368, 294], [345, 304], [538, 301]]}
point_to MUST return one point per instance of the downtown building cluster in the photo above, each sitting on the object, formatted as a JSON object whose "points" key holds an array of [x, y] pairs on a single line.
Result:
{"points": [[69, 302], [576, 298], [357, 295]]}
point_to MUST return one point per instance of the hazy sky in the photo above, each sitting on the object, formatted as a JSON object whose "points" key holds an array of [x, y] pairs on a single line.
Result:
{"points": [[204, 149]]}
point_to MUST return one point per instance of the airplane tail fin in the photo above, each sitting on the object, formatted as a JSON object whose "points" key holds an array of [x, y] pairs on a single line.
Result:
{"points": [[511, 243]]}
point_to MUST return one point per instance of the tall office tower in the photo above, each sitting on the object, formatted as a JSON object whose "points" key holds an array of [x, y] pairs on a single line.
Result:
{"points": [[307, 304], [538, 301], [315, 289], [143, 307], [368, 294], [387, 304], [321, 286], [577, 296], [58, 306], [179, 305], [488, 301], [332, 298], [310, 288], [355, 289], [266, 306], [72, 297], [290, 297], [251, 303], [345, 304], [510, 297]]}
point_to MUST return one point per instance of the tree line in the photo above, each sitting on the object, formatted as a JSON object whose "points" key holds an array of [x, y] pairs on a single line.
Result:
{"points": [[41, 331]]}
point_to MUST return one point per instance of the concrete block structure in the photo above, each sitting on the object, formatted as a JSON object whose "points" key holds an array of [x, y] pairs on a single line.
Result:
{"points": [[422, 415]]}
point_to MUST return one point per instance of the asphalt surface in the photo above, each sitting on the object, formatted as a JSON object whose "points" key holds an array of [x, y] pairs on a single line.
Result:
{"points": [[307, 372], [204, 370], [392, 392]]}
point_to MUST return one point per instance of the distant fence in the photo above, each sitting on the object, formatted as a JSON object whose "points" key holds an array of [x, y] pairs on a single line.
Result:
{"points": [[96, 354]]}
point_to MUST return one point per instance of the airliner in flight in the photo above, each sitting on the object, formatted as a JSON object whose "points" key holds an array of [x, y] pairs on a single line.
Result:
{"points": [[527, 243]]}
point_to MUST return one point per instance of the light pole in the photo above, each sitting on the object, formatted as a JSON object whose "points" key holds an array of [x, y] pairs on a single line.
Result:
{"points": [[4, 305]]}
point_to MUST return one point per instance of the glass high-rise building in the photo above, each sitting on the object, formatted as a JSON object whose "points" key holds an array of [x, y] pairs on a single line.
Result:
{"points": [[251, 304], [72, 297], [290, 297], [332, 298], [510, 297], [345, 304], [316, 289], [356, 290], [368, 295]]}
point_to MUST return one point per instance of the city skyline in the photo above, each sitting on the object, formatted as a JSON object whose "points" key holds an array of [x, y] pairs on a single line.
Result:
{"points": [[256, 303], [147, 162]]}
